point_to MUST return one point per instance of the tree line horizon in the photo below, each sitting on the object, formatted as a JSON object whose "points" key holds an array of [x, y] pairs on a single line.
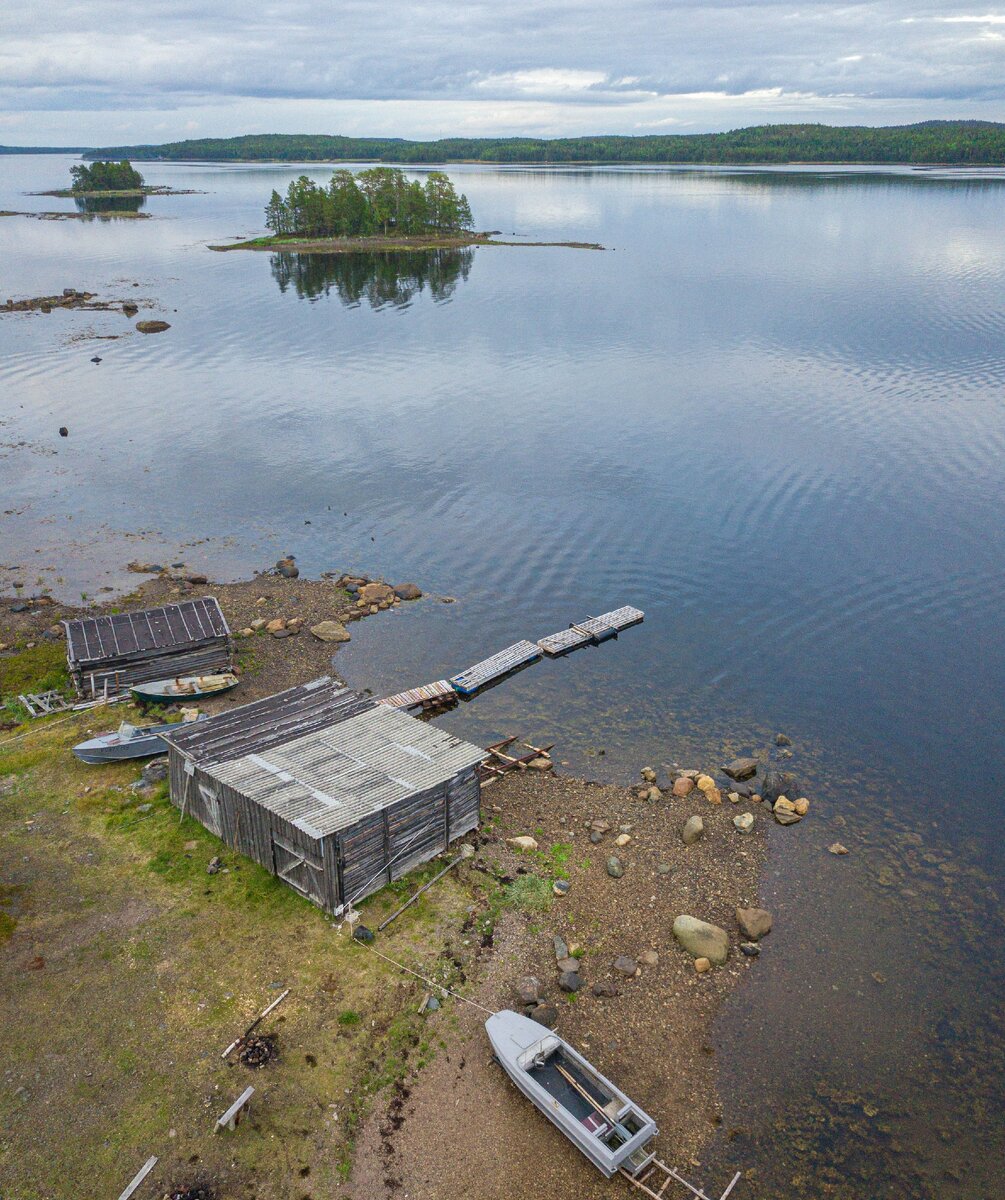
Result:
{"points": [[929, 142], [380, 200]]}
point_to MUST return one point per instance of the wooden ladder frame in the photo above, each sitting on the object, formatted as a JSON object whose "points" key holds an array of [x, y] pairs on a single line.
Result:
{"points": [[670, 1176]]}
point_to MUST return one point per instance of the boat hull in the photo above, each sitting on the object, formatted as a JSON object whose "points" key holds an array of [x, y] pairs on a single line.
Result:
{"points": [[178, 691], [511, 1035], [110, 747]]}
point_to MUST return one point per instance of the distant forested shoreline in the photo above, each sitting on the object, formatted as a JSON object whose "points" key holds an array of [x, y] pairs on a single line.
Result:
{"points": [[963, 143]]}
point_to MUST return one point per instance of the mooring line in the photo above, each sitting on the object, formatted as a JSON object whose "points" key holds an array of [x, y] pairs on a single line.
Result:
{"points": [[425, 979]]}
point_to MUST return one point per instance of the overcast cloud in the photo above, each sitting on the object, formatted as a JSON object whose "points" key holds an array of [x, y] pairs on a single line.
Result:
{"points": [[93, 71]]}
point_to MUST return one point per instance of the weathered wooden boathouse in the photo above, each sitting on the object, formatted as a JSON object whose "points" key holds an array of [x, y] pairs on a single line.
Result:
{"points": [[107, 655], [335, 794]]}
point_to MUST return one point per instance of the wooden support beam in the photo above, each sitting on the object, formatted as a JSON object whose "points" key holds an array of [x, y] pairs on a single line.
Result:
{"points": [[138, 1178], [232, 1117]]}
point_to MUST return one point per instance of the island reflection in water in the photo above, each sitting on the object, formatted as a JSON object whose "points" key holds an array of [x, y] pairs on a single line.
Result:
{"points": [[378, 279], [109, 206]]}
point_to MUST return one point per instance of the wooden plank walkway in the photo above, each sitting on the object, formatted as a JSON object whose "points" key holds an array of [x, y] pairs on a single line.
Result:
{"points": [[591, 631], [419, 695], [482, 673]]}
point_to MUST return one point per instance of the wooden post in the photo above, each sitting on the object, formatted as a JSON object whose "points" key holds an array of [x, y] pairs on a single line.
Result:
{"points": [[138, 1178]]}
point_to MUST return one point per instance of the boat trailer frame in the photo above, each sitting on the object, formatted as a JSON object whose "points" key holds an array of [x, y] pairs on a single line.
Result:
{"points": [[669, 1176]]}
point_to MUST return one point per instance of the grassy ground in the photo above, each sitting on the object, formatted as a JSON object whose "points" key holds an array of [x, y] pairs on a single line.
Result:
{"points": [[125, 969]]}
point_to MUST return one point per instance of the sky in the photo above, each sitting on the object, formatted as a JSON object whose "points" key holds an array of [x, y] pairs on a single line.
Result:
{"points": [[93, 72]]}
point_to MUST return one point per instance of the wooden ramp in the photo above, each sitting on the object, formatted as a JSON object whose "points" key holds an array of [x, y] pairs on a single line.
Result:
{"points": [[413, 697], [490, 669], [592, 631]]}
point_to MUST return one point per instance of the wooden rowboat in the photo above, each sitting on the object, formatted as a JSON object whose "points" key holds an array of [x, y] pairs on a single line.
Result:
{"points": [[187, 687]]}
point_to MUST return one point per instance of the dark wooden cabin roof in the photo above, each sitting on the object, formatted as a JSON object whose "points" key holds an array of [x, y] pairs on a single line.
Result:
{"points": [[270, 722], [93, 640]]}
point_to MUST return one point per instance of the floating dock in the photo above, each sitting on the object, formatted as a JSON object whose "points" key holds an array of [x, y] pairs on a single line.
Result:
{"points": [[491, 669], [416, 696], [591, 632]]}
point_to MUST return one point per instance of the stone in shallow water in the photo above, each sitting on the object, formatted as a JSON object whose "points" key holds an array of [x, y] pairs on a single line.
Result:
{"points": [[740, 768], [837, 848]]}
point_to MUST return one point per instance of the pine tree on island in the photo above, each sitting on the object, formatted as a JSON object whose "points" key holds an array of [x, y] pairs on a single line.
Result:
{"points": [[377, 202], [106, 177]]}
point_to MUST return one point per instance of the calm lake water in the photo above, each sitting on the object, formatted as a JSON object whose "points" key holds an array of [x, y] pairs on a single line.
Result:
{"points": [[771, 415]]}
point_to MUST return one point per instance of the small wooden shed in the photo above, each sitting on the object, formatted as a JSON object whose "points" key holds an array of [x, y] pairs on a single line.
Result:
{"points": [[335, 794], [110, 654]]}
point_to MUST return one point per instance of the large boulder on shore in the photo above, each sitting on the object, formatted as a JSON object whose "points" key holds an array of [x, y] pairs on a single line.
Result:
{"points": [[330, 631], [702, 940]]}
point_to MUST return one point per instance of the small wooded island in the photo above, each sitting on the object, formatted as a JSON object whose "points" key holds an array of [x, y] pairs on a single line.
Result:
{"points": [[378, 209], [107, 179]]}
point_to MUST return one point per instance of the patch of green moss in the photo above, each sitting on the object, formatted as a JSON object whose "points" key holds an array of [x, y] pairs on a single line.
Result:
{"points": [[40, 669], [7, 926], [529, 893]]}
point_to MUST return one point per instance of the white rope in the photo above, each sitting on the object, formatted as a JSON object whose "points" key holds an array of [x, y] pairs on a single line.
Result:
{"points": [[425, 979], [52, 724]]}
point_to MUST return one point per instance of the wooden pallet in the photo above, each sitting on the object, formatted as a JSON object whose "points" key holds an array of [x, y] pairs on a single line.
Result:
{"points": [[657, 1177], [490, 669], [41, 704], [413, 697], [591, 631]]}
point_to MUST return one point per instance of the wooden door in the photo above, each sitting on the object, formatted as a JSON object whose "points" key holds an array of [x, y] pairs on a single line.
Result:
{"points": [[300, 868]]}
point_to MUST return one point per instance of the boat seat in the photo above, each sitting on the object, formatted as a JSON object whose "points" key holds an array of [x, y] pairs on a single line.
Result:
{"points": [[595, 1123], [539, 1053]]}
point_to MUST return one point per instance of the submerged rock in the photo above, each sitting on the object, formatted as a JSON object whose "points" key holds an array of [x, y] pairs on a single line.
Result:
{"points": [[837, 848], [702, 939], [152, 326], [779, 783], [740, 768]]}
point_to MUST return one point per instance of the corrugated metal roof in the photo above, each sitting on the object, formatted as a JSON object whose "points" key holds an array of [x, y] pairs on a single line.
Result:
{"points": [[333, 777], [92, 640], [270, 722]]}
